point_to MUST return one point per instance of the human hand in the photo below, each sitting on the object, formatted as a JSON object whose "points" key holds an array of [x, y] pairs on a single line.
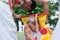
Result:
{"points": [[19, 16]]}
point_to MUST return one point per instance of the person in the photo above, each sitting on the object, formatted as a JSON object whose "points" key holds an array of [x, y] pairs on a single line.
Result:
{"points": [[28, 5], [8, 28], [7, 25], [30, 28]]}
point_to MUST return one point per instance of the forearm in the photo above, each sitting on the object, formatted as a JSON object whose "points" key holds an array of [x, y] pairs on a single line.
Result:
{"points": [[15, 15], [16, 3], [46, 6], [32, 26], [45, 3], [29, 37], [27, 32]]}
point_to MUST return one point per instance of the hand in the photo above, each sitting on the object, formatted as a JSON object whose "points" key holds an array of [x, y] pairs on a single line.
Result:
{"points": [[19, 16]]}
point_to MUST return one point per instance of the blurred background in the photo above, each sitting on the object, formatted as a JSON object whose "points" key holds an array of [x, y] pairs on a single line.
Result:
{"points": [[52, 17]]}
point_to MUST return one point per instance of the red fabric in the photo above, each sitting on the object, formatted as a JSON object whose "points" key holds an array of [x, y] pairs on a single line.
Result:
{"points": [[43, 31]]}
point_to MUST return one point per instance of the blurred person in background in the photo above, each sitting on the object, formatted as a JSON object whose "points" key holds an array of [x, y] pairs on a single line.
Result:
{"points": [[7, 25], [8, 28], [30, 29]]}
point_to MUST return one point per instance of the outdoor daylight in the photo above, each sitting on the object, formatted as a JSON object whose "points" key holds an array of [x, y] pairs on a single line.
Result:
{"points": [[29, 19]]}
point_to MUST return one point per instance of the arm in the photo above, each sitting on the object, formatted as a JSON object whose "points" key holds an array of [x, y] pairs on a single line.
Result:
{"points": [[32, 26], [27, 32], [45, 3], [14, 4], [46, 7], [16, 16]]}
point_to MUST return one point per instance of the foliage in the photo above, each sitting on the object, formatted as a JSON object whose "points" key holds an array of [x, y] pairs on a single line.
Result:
{"points": [[39, 8]]}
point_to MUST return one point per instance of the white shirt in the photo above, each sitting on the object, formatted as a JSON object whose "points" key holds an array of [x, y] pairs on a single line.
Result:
{"points": [[7, 25]]}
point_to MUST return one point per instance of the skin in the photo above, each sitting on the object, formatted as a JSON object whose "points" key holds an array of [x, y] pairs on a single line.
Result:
{"points": [[26, 6], [16, 16], [32, 27], [27, 33], [28, 1], [45, 3], [14, 5]]}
